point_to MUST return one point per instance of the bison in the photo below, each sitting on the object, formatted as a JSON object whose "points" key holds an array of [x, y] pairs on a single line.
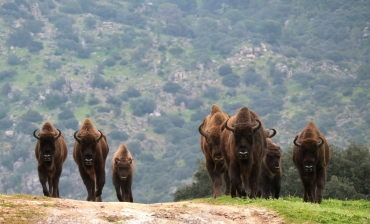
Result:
{"points": [[310, 156], [243, 145], [90, 153], [51, 152], [123, 173], [269, 181], [210, 143]]}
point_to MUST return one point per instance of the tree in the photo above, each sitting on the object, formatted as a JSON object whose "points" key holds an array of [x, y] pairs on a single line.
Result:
{"points": [[225, 70], [234, 15], [169, 12], [200, 188], [142, 106], [231, 80], [90, 22], [171, 87]]}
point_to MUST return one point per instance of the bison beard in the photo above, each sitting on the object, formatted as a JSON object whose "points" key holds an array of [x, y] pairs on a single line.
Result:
{"points": [[90, 153], [243, 145], [310, 156], [51, 152], [122, 173]]}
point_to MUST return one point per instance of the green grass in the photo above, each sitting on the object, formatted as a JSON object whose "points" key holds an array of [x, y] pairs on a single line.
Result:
{"points": [[294, 210]]}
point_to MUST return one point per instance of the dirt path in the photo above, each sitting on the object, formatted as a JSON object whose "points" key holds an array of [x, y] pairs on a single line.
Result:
{"points": [[65, 211], [41, 210]]}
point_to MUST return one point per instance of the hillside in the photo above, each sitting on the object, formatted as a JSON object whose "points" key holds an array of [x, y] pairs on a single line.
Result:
{"points": [[147, 72]]}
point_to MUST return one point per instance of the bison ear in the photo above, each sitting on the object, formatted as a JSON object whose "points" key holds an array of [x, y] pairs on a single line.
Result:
{"points": [[117, 160]]}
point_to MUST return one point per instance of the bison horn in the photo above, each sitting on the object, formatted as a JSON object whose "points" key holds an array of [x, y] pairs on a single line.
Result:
{"points": [[34, 135], [77, 138], [273, 133], [321, 143], [227, 126], [295, 142], [255, 128], [98, 138], [57, 135], [203, 133]]}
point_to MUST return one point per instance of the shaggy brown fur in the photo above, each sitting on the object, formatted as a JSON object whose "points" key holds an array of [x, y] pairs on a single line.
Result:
{"points": [[51, 152], [90, 153], [122, 173], [311, 156], [243, 145], [269, 181], [210, 143]]}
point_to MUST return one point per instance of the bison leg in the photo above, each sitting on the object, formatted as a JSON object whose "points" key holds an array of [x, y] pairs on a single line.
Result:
{"points": [[127, 194], [227, 183], [215, 177], [253, 178], [320, 183], [55, 183], [43, 177], [100, 180], [118, 192], [276, 186], [236, 182], [89, 184]]}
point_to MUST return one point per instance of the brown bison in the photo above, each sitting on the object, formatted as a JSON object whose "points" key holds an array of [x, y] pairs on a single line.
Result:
{"points": [[310, 157], [243, 145], [123, 173], [51, 152], [269, 181], [90, 153], [210, 143]]}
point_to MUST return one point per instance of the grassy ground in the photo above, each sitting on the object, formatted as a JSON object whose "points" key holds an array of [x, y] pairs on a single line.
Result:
{"points": [[294, 210]]}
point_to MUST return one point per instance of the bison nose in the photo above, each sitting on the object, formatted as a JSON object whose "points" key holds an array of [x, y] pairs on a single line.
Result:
{"points": [[308, 169], [123, 178], [47, 157], [218, 160], [88, 162], [243, 155]]}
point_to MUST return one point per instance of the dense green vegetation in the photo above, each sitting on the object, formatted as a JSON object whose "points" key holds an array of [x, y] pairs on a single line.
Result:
{"points": [[124, 63], [347, 176]]}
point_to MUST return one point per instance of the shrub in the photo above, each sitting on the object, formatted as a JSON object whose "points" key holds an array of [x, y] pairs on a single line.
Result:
{"points": [[160, 124], [66, 114], [132, 92], [93, 101], [225, 70], [212, 93], [142, 106], [193, 103], [119, 135], [53, 101], [110, 62], [14, 60], [231, 80], [171, 87]]}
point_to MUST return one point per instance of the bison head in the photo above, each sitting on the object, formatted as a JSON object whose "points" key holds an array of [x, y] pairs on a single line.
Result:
{"points": [[123, 168], [47, 145], [309, 152], [213, 142], [88, 148], [243, 136]]}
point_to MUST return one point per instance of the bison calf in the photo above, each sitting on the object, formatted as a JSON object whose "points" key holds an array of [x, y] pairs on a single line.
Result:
{"points": [[51, 153], [123, 173], [269, 181]]}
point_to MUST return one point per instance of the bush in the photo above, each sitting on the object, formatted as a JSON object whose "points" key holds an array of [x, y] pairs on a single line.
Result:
{"points": [[142, 106], [93, 101], [58, 83], [160, 124], [8, 74], [231, 80], [176, 51], [119, 135], [135, 148], [65, 115], [250, 77], [103, 109], [193, 103], [14, 60], [110, 62], [90, 22], [212, 93], [114, 100], [171, 87], [132, 92], [53, 101], [225, 70]]}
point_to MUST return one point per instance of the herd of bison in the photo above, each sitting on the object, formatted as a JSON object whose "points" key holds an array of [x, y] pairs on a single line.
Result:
{"points": [[239, 153]]}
